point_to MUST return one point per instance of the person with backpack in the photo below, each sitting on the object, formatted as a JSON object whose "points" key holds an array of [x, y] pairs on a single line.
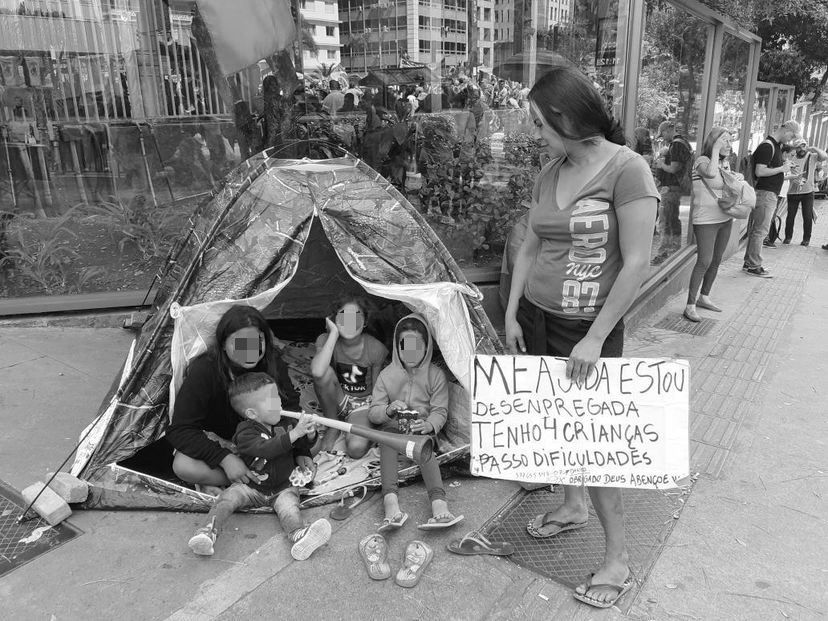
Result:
{"points": [[801, 190], [673, 171], [769, 170]]}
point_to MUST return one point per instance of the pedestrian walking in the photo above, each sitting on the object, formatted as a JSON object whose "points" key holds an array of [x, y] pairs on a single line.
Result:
{"points": [[769, 171], [801, 190], [591, 207], [711, 225]]}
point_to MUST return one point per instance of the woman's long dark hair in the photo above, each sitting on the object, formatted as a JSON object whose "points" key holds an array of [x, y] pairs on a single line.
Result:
{"points": [[573, 107], [236, 318]]}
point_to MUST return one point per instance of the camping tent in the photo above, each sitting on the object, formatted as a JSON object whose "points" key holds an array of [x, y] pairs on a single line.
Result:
{"points": [[284, 236]]}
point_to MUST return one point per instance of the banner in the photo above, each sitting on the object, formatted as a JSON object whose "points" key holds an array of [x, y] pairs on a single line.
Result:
{"points": [[626, 426], [246, 31]]}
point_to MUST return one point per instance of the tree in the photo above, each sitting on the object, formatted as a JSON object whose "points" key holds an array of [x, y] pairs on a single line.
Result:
{"points": [[795, 47]]}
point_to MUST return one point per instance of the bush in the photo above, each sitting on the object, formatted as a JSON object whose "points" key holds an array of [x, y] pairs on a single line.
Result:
{"points": [[44, 253]]}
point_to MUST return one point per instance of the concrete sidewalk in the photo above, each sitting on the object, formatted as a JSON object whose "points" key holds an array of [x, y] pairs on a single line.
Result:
{"points": [[750, 544]]}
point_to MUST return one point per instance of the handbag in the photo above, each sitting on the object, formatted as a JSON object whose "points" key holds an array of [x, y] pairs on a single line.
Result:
{"points": [[738, 198]]}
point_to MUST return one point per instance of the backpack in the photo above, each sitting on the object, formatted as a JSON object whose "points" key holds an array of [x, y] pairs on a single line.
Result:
{"points": [[748, 164]]}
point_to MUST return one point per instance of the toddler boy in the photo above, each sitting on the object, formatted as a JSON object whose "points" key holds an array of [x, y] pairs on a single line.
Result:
{"points": [[271, 450]]}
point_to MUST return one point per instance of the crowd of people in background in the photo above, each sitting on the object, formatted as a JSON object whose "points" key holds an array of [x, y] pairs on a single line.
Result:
{"points": [[461, 92]]}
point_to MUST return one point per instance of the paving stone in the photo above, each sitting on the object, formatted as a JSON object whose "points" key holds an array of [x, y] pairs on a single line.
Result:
{"points": [[49, 505]]}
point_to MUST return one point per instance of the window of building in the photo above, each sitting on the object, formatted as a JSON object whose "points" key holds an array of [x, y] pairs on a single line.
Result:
{"points": [[487, 14], [330, 31]]}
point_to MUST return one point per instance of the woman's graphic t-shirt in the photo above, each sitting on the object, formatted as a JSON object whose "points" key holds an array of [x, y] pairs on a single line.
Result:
{"points": [[579, 255], [356, 376]]}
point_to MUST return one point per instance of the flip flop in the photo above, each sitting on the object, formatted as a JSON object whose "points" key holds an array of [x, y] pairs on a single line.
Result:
{"points": [[393, 523], [374, 552], [416, 558], [562, 527], [620, 588], [475, 543], [442, 521], [343, 511]]}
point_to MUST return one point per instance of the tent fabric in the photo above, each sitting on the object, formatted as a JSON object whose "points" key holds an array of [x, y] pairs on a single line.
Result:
{"points": [[287, 237]]}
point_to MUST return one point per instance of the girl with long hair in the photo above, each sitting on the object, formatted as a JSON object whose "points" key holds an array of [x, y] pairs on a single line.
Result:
{"points": [[203, 422]]}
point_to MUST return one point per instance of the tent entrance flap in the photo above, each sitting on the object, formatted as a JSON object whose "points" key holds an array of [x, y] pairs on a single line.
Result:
{"points": [[320, 279]]}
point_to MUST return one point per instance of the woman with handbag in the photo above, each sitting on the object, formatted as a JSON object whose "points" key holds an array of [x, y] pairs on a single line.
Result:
{"points": [[711, 223]]}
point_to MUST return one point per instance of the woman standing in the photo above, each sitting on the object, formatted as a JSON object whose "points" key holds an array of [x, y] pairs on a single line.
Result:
{"points": [[586, 252], [203, 421], [711, 225]]}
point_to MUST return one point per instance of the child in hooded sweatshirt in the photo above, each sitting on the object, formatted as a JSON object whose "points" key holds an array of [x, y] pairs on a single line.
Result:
{"points": [[411, 382]]}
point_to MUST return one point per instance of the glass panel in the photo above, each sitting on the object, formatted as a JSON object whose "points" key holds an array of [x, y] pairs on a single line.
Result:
{"points": [[730, 91], [668, 112], [111, 131], [114, 124], [780, 114], [759, 122], [469, 158]]}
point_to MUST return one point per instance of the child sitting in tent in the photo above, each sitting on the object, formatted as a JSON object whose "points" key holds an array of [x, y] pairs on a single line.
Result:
{"points": [[271, 450], [411, 383], [344, 369]]}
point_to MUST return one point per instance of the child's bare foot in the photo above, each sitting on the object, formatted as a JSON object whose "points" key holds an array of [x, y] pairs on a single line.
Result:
{"points": [[394, 517]]}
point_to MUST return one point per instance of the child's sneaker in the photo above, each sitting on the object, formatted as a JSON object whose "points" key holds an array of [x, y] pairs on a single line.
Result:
{"points": [[307, 540], [202, 542]]}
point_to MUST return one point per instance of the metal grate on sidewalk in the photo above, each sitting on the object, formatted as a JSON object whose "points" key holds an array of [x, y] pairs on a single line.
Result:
{"points": [[570, 557], [21, 543], [677, 323]]}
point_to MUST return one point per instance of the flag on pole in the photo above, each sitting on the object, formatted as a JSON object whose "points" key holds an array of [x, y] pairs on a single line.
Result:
{"points": [[245, 31]]}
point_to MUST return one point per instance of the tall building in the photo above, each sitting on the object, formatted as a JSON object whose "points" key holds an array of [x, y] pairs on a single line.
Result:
{"points": [[321, 19], [378, 33], [487, 33]]}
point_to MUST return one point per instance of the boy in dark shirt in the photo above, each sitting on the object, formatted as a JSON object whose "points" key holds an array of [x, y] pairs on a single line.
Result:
{"points": [[271, 449]]}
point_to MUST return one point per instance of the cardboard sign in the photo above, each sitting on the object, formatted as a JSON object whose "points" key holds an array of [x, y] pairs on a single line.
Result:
{"points": [[626, 426]]}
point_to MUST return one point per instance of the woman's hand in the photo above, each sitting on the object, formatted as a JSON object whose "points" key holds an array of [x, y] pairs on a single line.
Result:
{"points": [[235, 469], [514, 337], [720, 143], [421, 426], [582, 360]]}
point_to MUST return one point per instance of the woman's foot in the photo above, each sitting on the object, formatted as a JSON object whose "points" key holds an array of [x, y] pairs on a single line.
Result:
{"points": [[690, 313], [559, 520], [612, 573], [706, 302]]}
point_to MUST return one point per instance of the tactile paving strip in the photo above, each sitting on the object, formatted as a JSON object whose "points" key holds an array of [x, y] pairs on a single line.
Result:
{"points": [[677, 323], [569, 557], [14, 550]]}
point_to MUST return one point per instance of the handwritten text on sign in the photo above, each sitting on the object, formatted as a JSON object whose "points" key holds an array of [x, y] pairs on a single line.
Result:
{"points": [[626, 426]]}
